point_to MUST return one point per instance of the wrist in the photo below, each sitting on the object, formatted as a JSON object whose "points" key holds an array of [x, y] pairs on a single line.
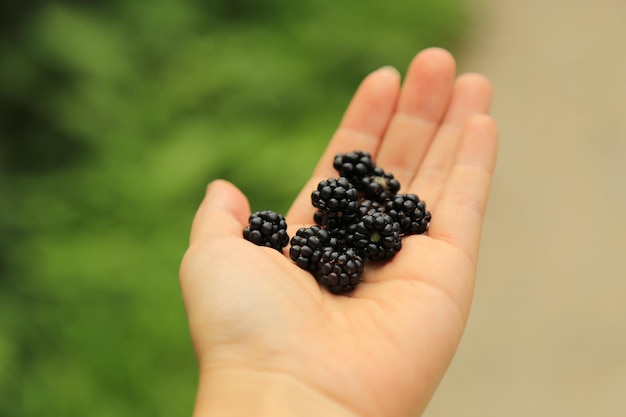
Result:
{"points": [[235, 393]]}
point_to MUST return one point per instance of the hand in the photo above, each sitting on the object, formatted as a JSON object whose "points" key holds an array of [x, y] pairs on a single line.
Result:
{"points": [[269, 340]]}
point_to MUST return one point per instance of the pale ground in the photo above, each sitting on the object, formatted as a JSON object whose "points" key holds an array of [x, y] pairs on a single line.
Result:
{"points": [[547, 333]]}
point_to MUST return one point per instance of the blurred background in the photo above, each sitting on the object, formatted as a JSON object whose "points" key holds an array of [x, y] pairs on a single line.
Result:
{"points": [[115, 115]]}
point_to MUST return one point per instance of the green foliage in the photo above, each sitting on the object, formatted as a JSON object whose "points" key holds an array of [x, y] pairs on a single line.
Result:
{"points": [[114, 116]]}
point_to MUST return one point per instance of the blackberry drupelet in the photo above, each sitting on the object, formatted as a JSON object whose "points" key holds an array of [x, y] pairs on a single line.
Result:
{"points": [[337, 202], [267, 228], [340, 270], [410, 212], [318, 217], [379, 186], [307, 246], [354, 165], [377, 236]]}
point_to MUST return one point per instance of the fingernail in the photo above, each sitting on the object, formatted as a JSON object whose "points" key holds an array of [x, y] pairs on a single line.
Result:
{"points": [[389, 68]]}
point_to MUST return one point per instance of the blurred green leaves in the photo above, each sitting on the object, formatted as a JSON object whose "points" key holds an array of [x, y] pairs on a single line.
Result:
{"points": [[113, 118]]}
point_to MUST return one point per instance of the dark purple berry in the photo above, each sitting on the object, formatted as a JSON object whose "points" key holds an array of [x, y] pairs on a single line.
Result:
{"points": [[410, 212], [377, 236], [354, 165], [307, 246], [267, 228], [337, 202], [340, 270]]}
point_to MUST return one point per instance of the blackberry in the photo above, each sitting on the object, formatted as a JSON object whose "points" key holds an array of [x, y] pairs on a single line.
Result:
{"points": [[379, 186], [340, 270], [377, 236], [307, 246], [354, 165], [410, 212], [337, 202], [267, 228]]}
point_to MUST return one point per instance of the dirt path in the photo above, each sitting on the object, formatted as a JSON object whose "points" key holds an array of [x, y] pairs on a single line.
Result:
{"points": [[547, 335]]}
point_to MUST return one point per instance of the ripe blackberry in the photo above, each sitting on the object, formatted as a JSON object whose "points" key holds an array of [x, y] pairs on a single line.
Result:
{"points": [[377, 236], [267, 228], [354, 165], [379, 186], [340, 270], [336, 200], [410, 212], [307, 246]]}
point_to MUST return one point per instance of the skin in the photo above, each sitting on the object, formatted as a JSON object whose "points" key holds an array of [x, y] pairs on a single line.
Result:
{"points": [[270, 341]]}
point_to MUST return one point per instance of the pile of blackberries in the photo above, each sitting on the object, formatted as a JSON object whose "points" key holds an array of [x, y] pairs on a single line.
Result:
{"points": [[359, 216]]}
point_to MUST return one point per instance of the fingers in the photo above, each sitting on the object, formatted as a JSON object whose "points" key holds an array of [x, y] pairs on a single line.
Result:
{"points": [[421, 107], [224, 211], [472, 95], [458, 213], [362, 127]]}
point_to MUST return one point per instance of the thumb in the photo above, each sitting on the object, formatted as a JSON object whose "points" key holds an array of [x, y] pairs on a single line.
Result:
{"points": [[224, 211]]}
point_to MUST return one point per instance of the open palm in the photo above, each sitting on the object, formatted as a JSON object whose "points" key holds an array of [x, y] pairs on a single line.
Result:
{"points": [[382, 350]]}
